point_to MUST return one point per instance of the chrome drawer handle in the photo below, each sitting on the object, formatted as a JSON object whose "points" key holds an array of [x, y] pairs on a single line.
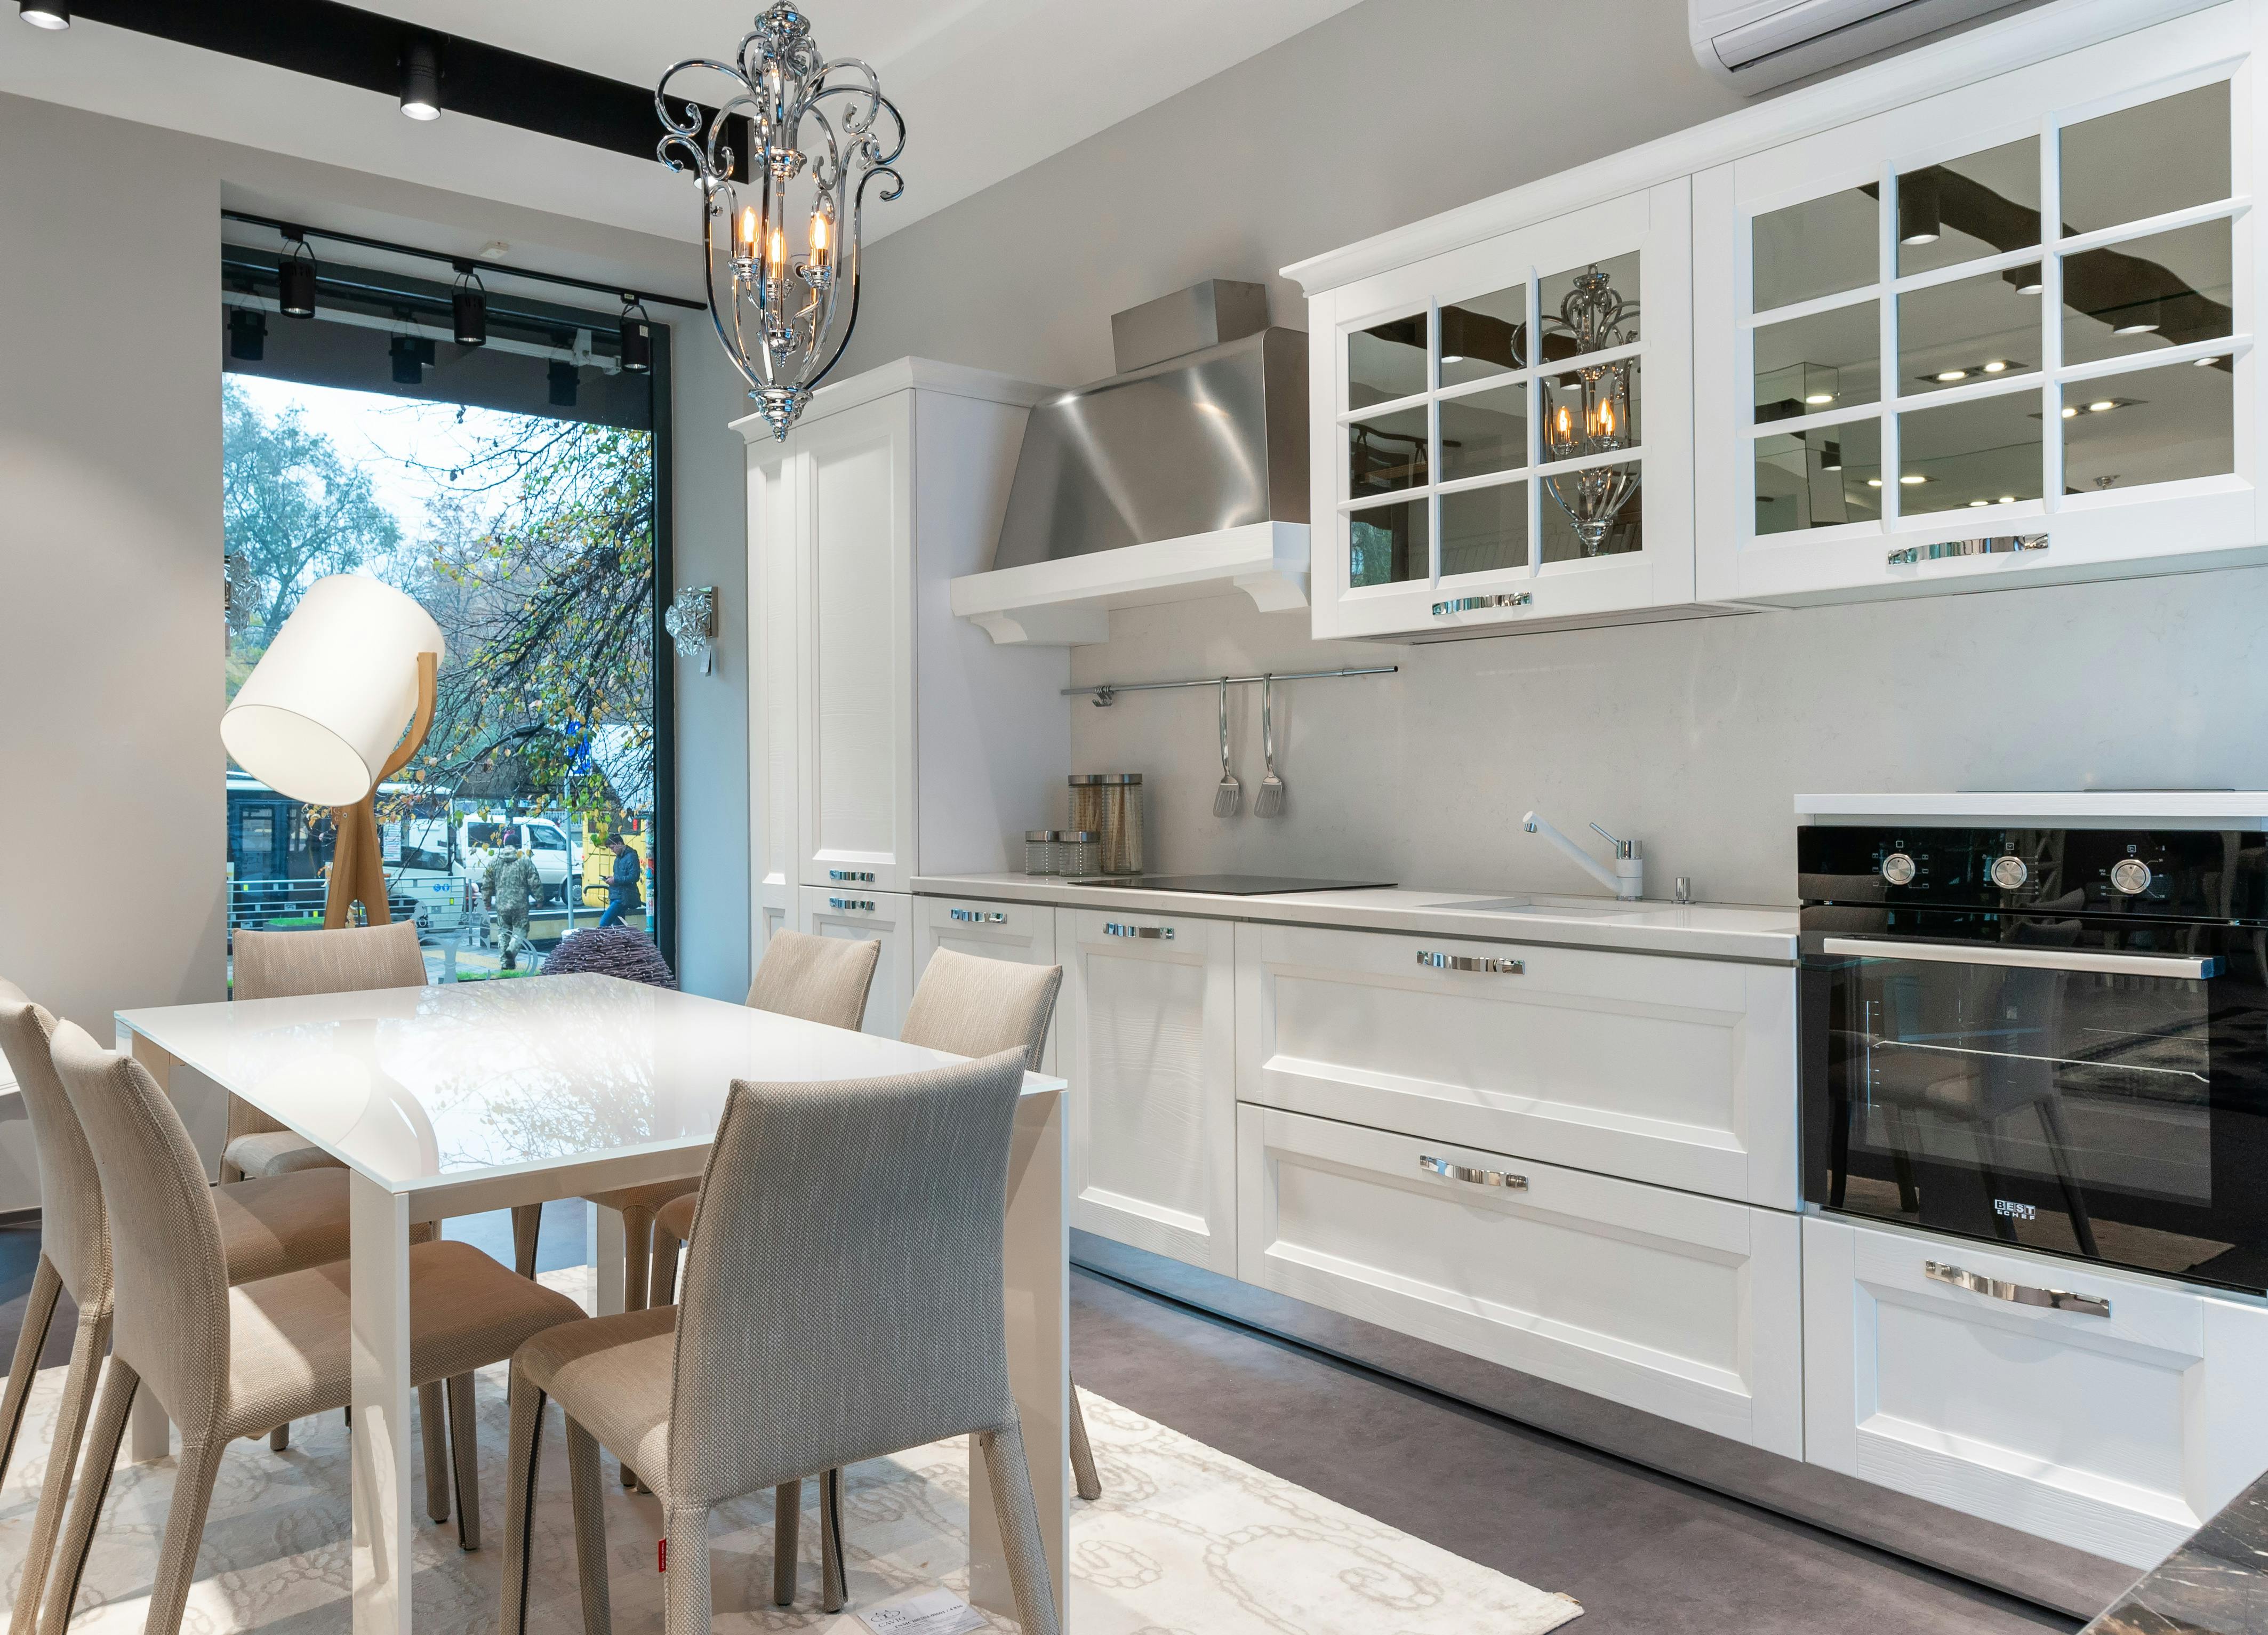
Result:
{"points": [[851, 903], [1988, 545], [978, 916], [1475, 604], [1443, 1168], [1483, 964], [1152, 934], [2020, 1293], [850, 877]]}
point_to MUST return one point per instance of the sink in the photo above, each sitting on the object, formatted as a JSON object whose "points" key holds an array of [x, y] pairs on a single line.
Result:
{"points": [[1553, 910]]}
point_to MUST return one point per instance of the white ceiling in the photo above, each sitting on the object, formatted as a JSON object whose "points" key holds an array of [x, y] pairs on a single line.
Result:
{"points": [[988, 88]]}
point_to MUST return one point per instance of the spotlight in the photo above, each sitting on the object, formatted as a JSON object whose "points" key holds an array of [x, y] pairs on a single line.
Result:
{"points": [[2136, 317], [1817, 398], [564, 382], [247, 334], [421, 81], [471, 302], [1996, 366], [44, 13], [295, 281], [2102, 406], [1912, 477], [1918, 216], [2025, 278], [1449, 358], [636, 338], [1953, 374], [1830, 457], [411, 353]]}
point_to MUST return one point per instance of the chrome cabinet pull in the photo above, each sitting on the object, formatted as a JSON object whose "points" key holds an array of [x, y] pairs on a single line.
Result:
{"points": [[1987, 545], [977, 916], [851, 903], [1449, 1171], [1150, 933], [2020, 1293], [1475, 604], [1485, 964], [850, 877], [2030, 959]]}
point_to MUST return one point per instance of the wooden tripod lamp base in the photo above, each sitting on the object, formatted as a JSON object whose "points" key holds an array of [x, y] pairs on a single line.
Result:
{"points": [[357, 861]]}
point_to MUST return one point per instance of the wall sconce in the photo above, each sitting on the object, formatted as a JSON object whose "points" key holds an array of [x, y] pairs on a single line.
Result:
{"points": [[691, 621]]}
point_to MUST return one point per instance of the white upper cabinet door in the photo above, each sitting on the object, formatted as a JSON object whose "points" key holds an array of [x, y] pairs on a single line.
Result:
{"points": [[1502, 434], [2001, 335], [855, 736]]}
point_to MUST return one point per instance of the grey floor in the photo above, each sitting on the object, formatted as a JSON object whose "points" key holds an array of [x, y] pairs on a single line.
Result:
{"points": [[1642, 1553]]}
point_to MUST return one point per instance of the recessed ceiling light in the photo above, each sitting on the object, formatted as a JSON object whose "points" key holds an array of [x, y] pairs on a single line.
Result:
{"points": [[2068, 413], [1953, 374], [1874, 482], [1995, 366], [2102, 405], [2008, 499], [1821, 397], [1975, 503], [1453, 357], [1912, 477], [44, 13], [2206, 363]]}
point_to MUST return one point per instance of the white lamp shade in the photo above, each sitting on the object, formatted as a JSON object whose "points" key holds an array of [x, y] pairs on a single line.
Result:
{"points": [[329, 699]]}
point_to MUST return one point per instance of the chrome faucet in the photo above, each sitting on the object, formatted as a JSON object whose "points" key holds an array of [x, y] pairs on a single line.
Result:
{"points": [[1626, 879]]}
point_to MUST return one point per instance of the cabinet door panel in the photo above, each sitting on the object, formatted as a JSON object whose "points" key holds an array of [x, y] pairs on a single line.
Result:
{"points": [[1151, 1066], [775, 669], [1685, 1306], [887, 918], [1018, 932], [1675, 1071]]}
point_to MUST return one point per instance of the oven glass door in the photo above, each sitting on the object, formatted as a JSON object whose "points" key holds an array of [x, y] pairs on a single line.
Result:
{"points": [[2087, 1086]]}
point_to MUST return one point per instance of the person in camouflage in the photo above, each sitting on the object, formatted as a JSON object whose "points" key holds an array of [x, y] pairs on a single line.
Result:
{"points": [[509, 885]]}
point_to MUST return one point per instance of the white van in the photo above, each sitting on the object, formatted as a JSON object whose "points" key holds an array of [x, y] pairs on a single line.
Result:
{"points": [[542, 839]]}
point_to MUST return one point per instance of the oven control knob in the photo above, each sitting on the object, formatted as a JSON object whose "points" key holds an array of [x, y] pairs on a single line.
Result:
{"points": [[1898, 869], [2130, 875], [2009, 872]]}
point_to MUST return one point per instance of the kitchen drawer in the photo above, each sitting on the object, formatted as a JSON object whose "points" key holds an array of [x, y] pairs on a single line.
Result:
{"points": [[2117, 1434], [883, 917], [1681, 1072], [1022, 932], [1148, 1045], [1685, 1306]]}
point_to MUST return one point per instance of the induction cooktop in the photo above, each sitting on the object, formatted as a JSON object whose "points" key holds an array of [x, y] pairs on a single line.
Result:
{"points": [[1228, 885]]}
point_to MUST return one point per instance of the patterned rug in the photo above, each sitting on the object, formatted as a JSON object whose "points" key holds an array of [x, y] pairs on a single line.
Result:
{"points": [[1183, 1539]]}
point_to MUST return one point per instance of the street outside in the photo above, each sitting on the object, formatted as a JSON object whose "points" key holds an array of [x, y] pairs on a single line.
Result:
{"points": [[470, 951]]}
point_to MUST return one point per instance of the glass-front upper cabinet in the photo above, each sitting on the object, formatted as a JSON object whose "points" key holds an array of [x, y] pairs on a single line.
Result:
{"points": [[2007, 331], [1508, 435]]}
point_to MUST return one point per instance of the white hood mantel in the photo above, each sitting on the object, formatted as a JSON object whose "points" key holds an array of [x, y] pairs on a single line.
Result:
{"points": [[1066, 602]]}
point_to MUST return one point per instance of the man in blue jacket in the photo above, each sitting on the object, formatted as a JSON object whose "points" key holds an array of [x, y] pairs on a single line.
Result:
{"points": [[623, 896]]}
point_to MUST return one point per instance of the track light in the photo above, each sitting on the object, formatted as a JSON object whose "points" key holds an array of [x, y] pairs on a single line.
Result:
{"points": [[636, 338], [247, 334], [471, 302], [295, 281], [411, 353], [2025, 278], [44, 13], [564, 382], [1918, 222], [421, 80]]}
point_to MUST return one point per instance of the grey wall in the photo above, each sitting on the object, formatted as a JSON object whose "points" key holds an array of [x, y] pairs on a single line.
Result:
{"points": [[110, 633], [1693, 736]]}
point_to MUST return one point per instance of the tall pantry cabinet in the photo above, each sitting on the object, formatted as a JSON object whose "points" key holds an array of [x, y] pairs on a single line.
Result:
{"points": [[888, 738]]}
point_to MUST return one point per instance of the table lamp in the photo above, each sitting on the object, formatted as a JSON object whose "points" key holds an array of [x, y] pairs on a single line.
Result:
{"points": [[322, 717]]}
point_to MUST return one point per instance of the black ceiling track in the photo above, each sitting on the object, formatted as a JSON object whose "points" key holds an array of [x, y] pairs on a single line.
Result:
{"points": [[351, 46]]}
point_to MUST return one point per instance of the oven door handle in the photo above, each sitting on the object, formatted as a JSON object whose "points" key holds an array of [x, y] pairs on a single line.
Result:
{"points": [[2030, 959]]}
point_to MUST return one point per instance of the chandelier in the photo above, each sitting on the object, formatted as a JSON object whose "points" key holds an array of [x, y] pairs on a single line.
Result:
{"points": [[1588, 411], [785, 310]]}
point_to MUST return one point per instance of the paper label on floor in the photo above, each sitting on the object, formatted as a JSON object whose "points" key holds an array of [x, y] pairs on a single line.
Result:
{"points": [[932, 1612]]}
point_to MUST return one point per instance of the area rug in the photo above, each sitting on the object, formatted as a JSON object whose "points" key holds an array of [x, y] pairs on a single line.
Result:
{"points": [[1184, 1539]]}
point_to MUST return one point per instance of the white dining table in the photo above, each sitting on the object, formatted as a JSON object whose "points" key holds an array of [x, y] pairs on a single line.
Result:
{"points": [[460, 1099]]}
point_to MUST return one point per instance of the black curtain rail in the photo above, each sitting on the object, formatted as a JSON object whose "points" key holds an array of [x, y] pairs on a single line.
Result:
{"points": [[294, 231]]}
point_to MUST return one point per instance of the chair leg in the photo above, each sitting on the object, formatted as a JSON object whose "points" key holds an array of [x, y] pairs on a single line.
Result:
{"points": [[590, 1527], [833, 1574], [522, 1464], [787, 1525], [280, 1438], [39, 1313], [1082, 1452], [526, 1224], [666, 1249], [87, 1348], [638, 1268], [101, 1458], [1019, 1529], [434, 1431], [688, 1601], [194, 1477], [465, 1459]]}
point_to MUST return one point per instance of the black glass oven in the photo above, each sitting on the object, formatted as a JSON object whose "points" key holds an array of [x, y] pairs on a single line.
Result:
{"points": [[2056, 1038]]}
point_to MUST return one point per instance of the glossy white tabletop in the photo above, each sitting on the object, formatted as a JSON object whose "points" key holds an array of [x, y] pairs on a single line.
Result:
{"points": [[422, 1086]]}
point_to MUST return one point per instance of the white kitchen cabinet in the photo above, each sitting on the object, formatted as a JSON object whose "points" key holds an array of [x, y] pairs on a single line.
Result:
{"points": [[1686, 1306], [774, 665], [1458, 401], [2117, 1431], [1676, 1071], [883, 917], [1021, 932], [1147, 1023], [1999, 335]]}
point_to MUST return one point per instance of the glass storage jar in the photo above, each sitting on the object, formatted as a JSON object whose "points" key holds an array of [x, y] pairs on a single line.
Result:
{"points": [[1078, 851], [1122, 821]]}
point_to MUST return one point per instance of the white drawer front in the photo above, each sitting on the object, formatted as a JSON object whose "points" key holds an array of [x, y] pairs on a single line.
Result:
{"points": [[883, 917], [1151, 1060], [1676, 1071], [1682, 1306], [1022, 932], [2117, 1434]]}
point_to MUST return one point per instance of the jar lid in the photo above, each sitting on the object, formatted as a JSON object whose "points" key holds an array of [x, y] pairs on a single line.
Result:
{"points": [[1118, 777], [1078, 836], [1039, 836], [1084, 780]]}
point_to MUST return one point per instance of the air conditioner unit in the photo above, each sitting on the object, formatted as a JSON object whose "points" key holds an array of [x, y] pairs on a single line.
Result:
{"points": [[1757, 44]]}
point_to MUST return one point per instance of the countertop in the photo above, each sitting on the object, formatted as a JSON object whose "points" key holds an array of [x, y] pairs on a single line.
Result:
{"points": [[1702, 930], [2216, 1584]]}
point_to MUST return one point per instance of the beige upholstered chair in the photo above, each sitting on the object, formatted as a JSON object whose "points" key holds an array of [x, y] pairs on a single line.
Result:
{"points": [[228, 1362], [842, 1301], [277, 964], [969, 1006], [266, 1227]]}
